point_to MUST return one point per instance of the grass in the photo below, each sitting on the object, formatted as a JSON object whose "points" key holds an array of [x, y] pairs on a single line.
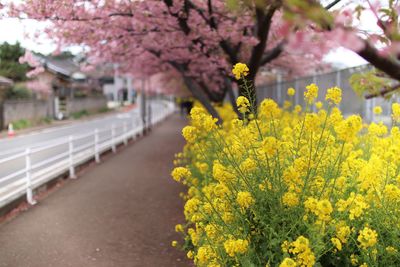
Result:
{"points": [[21, 124], [84, 112], [24, 123], [104, 110], [79, 114]]}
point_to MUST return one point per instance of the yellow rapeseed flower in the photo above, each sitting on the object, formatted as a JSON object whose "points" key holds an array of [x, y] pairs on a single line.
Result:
{"points": [[245, 199], [342, 233], [180, 173], [377, 110], [288, 262], [334, 95], [290, 199], [367, 237], [179, 228], [190, 254], [311, 93], [189, 133], [336, 242], [205, 254], [238, 246], [297, 108], [396, 112], [240, 70], [243, 104], [291, 91]]}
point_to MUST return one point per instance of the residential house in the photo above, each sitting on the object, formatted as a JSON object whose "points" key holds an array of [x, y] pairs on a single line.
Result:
{"points": [[69, 89]]}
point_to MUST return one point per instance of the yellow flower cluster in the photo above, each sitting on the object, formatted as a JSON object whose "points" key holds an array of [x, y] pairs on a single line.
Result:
{"points": [[243, 104], [244, 199], [290, 188], [377, 110], [321, 208], [240, 70], [233, 247], [334, 95], [311, 93], [396, 112], [302, 252], [291, 91], [180, 173], [367, 238]]}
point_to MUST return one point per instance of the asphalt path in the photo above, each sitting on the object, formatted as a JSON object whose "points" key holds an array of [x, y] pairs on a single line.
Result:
{"points": [[120, 213], [81, 132]]}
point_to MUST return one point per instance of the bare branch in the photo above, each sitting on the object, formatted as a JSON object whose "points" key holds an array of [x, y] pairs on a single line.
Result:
{"points": [[332, 4]]}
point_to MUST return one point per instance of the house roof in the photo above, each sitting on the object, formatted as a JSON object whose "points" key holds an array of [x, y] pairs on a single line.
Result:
{"points": [[66, 67]]}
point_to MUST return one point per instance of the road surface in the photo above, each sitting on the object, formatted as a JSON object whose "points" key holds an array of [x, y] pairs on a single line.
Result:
{"points": [[81, 132]]}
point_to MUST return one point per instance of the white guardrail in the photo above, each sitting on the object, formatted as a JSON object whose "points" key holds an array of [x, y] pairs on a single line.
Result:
{"points": [[70, 152]]}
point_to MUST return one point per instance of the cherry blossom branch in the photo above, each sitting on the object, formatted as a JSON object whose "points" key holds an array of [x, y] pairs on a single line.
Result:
{"points": [[387, 65], [57, 18], [383, 92]]}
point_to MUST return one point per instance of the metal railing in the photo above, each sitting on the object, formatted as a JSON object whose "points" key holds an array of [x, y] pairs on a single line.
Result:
{"points": [[351, 102], [63, 155]]}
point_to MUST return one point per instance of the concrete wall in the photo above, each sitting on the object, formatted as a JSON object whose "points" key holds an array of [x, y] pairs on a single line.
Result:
{"points": [[35, 110], [91, 104], [31, 110]]}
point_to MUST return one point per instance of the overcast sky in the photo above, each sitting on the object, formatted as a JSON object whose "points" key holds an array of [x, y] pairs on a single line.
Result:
{"points": [[13, 30]]}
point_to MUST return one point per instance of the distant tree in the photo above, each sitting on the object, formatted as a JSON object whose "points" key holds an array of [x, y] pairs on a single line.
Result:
{"points": [[64, 55], [9, 62], [19, 91]]}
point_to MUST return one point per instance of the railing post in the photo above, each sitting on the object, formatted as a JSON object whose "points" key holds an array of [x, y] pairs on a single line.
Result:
{"points": [[71, 157], [96, 146], [125, 127], [149, 114], [28, 175], [279, 88], [296, 87], [113, 148], [132, 123]]}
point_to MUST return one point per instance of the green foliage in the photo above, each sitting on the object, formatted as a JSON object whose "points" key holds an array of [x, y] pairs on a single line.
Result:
{"points": [[79, 114], [18, 92], [46, 120], [298, 10], [80, 94], [9, 62], [21, 124], [64, 55], [103, 110], [368, 82]]}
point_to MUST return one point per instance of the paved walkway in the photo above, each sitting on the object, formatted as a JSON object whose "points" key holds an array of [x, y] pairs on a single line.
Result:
{"points": [[119, 213]]}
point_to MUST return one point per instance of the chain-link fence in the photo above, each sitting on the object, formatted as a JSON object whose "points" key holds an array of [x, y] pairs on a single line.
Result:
{"points": [[351, 102]]}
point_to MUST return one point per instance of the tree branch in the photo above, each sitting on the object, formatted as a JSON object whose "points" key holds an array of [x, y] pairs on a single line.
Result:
{"points": [[383, 92], [224, 44], [332, 4], [273, 53], [264, 22], [371, 54]]}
